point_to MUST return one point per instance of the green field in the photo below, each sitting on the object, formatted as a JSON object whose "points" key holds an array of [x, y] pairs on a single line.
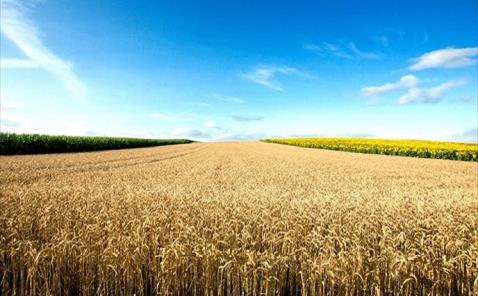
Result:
{"points": [[11, 143], [413, 148]]}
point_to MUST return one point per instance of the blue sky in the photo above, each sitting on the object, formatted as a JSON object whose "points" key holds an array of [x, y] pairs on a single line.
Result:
{"points": [[232, 70]]}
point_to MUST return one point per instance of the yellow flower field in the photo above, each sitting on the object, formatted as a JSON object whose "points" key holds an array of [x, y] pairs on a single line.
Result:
{"points": [[414, 148]]}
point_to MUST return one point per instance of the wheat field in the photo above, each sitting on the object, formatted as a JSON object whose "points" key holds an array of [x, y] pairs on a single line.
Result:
{"points": [[246, 218]]}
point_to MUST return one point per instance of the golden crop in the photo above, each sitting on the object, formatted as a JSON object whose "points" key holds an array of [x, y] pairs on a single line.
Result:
{"points": [[237, 219], [414, 148]]}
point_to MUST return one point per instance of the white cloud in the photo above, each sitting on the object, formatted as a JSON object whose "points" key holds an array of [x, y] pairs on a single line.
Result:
{"points": [[264, 75], [188, 133], [25, 120], [407, 81], [350, 51], [211, 131], [466, 99], [230, 99], [8, 113], [210, 124], [327, 48], [446, 58], [381, 39], [20, 30], [17, 63], [362, 54], [247, 118], [215, 134], [208, 131], [470, 136], [414, 93], [429, 95]]}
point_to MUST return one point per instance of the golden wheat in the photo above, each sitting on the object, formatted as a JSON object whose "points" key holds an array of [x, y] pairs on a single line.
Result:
{"points": [[237, 219]]}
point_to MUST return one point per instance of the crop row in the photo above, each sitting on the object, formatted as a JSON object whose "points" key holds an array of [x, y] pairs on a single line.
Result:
{"points": [[413, 148], [11, 143]]}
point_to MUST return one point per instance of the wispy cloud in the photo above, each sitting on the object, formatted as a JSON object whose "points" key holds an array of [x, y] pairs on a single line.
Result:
{"points": [[388, 36], [264, 75], [20, 29], [470, 135], [17, 63], [224, 98], [216, 134], [8, 110], [413, 92], [327, 48], [425, 37], [210, 124], [429, 95], [466, 99], [381, 39], [405, 82], [211, 131], [349, 51], [446, 58], [247, 118], [191, 133], [208, 131], [8, 123], [362, 54]]}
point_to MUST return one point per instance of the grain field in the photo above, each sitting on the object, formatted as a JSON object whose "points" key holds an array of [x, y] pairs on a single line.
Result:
{"points": [[246, 218]]}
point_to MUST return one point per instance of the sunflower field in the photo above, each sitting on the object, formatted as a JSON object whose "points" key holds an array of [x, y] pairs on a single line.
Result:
{"points": [[413, 148]]}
